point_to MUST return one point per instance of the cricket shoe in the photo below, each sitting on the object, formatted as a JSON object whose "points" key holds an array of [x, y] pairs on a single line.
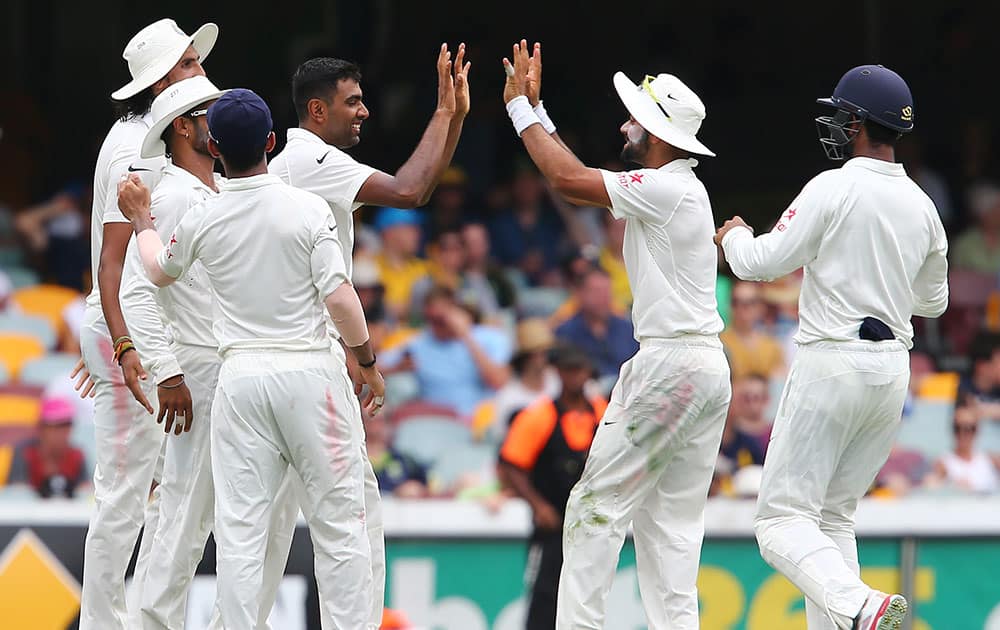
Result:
{"points": [[881, 612]]}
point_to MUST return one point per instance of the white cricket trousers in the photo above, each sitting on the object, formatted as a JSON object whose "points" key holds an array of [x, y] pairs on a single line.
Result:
{"points": [[650, 465], [835, 426], [286, 512], [128, 442], [187, 499], [273, 410]]}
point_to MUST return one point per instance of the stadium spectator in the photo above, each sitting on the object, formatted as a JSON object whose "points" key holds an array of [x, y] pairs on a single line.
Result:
{"points": [[978, 248], [532, 379], [781, 299], [481, 273], [6, 289], [748, 409], [527, 236], [611, 260], [750, 350], [740, 446], [448, 208], [541, 459], [966, 468], [397, 474], [399, 266], [446, 268], [982, 383], [457, 363], [371, 292], [49, 463], [55, 231], [605, 337]]}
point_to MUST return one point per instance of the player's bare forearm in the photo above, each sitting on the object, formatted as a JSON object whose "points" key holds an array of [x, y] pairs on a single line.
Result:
{"points": [[364, 353], [568, 176], [419, 174], [109, 275]]}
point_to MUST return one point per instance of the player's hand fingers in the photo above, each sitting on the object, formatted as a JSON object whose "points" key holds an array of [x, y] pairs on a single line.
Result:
{"points": [[77, 369], [188, 415], [179, 427], [368, 403], [89, 389], [169, 425], [162, 412], [358, 388], [459, 60], [137, 393]]}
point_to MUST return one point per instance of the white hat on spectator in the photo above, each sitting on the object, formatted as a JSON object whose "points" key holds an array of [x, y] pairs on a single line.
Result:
{"points": [[365, 274], [154, 50]]}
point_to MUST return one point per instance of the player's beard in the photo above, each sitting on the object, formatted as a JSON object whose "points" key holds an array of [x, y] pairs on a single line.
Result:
{"points": [[200, 144], [637, 146]]}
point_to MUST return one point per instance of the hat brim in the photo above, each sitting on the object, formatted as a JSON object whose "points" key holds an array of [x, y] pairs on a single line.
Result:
{"points": [[203, 41], [643, 108], [152, 145]]}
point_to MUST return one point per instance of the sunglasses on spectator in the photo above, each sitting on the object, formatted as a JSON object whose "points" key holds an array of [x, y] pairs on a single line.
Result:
{"points": [[965, 428]]}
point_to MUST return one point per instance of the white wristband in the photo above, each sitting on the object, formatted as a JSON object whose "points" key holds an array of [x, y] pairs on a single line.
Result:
{"points": [[543, 117], [521, 114]]}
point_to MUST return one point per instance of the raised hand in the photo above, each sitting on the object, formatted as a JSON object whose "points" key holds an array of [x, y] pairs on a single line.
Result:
{"points": [[446, 83], [461, 78], [534, 89], [133, 197], [517, 72]]}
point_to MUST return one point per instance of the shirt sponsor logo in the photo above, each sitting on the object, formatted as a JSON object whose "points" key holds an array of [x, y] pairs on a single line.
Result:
{"points": [[319, 160], [785, 219]]}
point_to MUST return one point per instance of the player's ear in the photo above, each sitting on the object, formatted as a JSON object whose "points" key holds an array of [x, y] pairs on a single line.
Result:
{"points": [[213, 149], [269, 144], [317, 110]]}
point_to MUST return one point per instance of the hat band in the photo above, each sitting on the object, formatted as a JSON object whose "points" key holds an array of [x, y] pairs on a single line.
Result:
{"points": [[647, 86]]}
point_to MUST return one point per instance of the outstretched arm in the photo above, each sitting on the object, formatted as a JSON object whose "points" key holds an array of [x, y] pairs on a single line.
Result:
{"points": [[413, 183], [568, 176]]}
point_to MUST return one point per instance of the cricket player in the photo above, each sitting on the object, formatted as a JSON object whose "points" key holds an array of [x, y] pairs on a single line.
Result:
{"points": [[128, 444], [174, 337], [652, 459], [328, 99], [874, 252], [272, 257]]}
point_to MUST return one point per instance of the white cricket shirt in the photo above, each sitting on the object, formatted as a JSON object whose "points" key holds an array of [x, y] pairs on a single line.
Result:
{"points": [[119, 155], [181, 312], [670, 259], [871, 242], [311, 164], [271, 255]]}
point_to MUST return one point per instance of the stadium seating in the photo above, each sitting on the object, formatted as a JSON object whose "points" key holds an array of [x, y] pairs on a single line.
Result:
{"points": [[19, 410], [540, 301], [400, 388], [45, 300], [43, 370], [16, 350], [427, 438], [28, 325], [927, 429], [462, 459], [21, 277]]}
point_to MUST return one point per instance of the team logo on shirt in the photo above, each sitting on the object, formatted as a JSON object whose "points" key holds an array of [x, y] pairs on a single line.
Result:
{"points": [[625, 179], [173, 240], [785, 219]]}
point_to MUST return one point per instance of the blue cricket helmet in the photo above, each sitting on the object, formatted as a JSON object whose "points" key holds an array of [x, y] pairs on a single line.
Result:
{"points": [[870, 92]]}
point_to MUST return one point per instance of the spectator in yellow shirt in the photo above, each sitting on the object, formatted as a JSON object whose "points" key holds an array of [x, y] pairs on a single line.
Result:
{"points": [[750, 351], [612, 261], [398, 264]]}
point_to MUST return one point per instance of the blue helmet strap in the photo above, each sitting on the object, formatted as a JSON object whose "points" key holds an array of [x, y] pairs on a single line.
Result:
{"points": [[835, 133]]}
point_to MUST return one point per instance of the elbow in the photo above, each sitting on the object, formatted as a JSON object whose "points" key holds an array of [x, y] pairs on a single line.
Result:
{"points": [[566, 184], [411, 198]]}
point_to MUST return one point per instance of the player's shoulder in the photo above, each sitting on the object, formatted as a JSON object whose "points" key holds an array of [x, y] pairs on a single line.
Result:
{"points": [[302, 199]]}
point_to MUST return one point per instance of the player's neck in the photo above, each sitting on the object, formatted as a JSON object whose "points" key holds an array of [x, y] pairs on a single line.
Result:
{"points": [[201, 166], [863, 148]]}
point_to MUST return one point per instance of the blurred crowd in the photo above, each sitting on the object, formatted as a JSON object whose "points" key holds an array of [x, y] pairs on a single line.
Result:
{"points": [[470, 299]]}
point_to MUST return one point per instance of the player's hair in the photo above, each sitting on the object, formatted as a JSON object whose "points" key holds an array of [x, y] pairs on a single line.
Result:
{"points": [[880, 134], [316, 77], [134, 106]]}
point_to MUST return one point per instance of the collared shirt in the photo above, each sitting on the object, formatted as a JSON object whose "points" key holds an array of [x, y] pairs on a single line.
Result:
{"points": [[119, 156], [311, 164], [181, 312], [608, 352], [872, 245], [668, 251], [271, 255]]}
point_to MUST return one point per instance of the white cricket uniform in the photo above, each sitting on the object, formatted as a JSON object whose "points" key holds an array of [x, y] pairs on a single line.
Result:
{"points": [[128, 440], [872, 244], [271, 255], [652, 459], [310, 164], [172, 329]]}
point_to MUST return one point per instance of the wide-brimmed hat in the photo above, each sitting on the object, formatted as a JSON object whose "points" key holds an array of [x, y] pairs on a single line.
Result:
{"points": [[666, 108], [534, 335], [177, 99], [155, 49]]}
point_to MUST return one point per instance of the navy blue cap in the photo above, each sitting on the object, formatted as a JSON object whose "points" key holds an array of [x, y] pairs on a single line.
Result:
{"points": [[875, 93], [239, 121]]}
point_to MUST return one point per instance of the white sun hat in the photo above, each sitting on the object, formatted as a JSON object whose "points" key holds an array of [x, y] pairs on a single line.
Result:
{"points": [[155, 49], [666, 108], [171, 103]]}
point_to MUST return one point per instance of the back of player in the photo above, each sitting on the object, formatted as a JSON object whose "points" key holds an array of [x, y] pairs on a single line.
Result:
{"points": [[873, 250]]}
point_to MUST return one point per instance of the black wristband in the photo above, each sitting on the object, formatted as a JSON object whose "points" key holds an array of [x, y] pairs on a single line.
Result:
{"points": [[369, 364]]}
